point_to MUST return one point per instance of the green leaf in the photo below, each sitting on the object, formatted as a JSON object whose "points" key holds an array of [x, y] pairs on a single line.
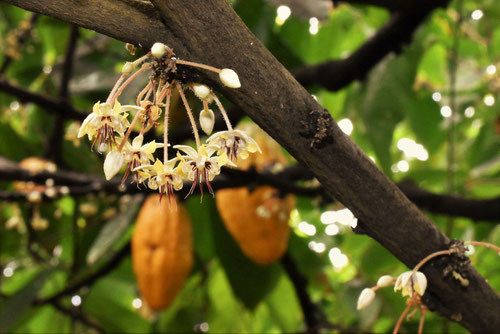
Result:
{"points": [[425, 121], [16, 152], [433, 67], [388, 92], [288, 315], [110, 302], [249, 281], [113, 230], [202, 230], [15, 307]]}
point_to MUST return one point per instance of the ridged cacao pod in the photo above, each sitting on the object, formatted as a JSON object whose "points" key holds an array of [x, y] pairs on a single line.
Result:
{"points": [[258, 219], [162, 250]]}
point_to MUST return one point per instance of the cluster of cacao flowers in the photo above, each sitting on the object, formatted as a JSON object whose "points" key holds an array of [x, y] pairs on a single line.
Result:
{"points": [[109, 129]]}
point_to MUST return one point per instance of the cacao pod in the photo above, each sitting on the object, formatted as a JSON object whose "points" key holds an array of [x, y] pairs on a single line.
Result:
{"points": [[258, 219], [162, 250]]}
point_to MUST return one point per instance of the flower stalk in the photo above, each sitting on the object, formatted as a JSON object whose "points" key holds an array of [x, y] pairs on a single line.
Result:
{"points": [[198, 165]]}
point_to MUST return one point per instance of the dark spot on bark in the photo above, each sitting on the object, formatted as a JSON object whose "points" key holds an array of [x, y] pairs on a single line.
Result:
{"points": [[318, 128]]}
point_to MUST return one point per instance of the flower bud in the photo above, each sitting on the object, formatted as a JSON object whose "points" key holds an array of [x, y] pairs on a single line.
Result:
{"points": [[113, 164], [229, 78], [385, 281], [411, 281], [158, 49], [127, 67], [202, 92], [207, 119], [365, 298]]}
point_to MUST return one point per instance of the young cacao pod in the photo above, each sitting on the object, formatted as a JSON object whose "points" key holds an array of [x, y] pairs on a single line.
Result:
{"points": [[162, 250], [258, 219]]}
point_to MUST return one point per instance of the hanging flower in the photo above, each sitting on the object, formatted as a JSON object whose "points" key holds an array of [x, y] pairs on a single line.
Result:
{"points": [[136, 154], [162, 177], [103, 122], [234, 143], [410, 282], [201, 166]]}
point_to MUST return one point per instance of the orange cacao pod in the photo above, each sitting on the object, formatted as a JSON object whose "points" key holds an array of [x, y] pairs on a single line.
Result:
{"points": [[259, 220], [162, 250]]}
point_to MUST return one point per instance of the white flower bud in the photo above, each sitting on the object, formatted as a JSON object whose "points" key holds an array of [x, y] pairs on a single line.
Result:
{"points": [[113, 164], [127, 67], [385, 281], [207, 119], [365, 298], [229, 78], [203, 92], [158, 49]]}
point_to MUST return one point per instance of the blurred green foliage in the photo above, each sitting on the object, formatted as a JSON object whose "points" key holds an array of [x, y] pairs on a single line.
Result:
{"points": [[401, 98]]}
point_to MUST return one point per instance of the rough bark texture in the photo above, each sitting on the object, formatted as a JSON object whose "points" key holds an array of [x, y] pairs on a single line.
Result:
{"points": [[210, 32]]}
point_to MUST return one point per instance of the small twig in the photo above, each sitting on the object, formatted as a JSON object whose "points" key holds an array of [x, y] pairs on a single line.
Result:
{"points": [[54, 150], [431, 256], [309, 309], [91, 278], [50, 105], [77, 315], [483, 244]]}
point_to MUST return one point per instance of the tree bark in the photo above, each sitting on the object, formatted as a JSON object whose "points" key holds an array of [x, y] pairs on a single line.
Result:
{"points": [[210, 32]]}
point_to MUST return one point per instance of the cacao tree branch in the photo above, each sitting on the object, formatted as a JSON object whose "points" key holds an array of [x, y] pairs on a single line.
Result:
{"points": [[50, 105], [77, 315], [54, 149], [84, 184], [337, 74], [88, 280], [310, 310], [210, 32]]}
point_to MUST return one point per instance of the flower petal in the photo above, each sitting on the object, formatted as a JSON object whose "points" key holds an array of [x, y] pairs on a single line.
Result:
{"points": [[191, 152], [419, 282], [137, 143], [83, 128]]}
